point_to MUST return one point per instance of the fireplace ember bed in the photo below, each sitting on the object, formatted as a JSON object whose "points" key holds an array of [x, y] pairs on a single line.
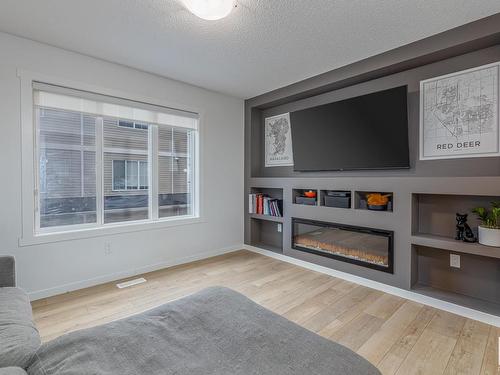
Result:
{"points": [[368, 247]]}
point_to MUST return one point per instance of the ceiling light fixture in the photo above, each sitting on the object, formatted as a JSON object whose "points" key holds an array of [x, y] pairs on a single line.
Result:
{"points": [[210, 9]]}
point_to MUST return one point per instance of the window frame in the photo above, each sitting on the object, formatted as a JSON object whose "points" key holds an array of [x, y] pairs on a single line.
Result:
{"points": [[30, 169]]}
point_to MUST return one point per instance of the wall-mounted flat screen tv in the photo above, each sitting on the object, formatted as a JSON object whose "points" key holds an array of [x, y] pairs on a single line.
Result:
{"points": [[364, 132]]}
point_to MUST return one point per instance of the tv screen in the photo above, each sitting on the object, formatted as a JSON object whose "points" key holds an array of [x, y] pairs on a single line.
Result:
{"points": [[365, 132]]}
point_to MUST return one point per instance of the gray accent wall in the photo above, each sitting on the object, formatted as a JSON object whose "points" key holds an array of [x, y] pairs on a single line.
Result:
{"points": [[465, 47], [452, 167]]}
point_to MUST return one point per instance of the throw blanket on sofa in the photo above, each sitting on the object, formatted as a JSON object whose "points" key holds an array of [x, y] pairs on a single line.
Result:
{"points": [[214, 332]]}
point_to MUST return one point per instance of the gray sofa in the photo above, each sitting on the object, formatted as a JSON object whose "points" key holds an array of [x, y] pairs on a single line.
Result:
{"points": [[19, 338], [214, 332], [7, 272], [12, 371]]}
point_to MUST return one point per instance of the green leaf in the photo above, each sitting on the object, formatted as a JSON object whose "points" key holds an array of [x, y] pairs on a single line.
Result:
{"points": [[482, 213], [495, 213]]}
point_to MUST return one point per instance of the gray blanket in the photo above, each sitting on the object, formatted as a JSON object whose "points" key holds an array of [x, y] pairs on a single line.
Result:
{"points": [[216, 331]]}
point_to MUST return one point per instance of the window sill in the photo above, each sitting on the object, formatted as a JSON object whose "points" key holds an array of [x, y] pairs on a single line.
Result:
{"points": [[108, 230]]}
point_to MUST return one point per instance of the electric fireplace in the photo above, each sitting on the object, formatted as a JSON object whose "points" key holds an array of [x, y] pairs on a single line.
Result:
{"points": [[368, 247]]}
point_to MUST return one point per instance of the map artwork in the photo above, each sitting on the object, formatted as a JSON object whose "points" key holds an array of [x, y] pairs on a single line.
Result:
{"points": [[459, 114], [278, 141]]}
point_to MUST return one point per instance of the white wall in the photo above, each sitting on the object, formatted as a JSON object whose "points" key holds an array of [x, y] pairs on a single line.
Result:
{"points": [[56, 267]]}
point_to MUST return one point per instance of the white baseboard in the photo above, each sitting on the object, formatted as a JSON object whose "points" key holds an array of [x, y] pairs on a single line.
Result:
{"points": [[416, 297], [39, 294]]}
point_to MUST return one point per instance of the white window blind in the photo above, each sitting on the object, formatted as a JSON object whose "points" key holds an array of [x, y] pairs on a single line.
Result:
{"points": [[49, 96], [93, 171]]}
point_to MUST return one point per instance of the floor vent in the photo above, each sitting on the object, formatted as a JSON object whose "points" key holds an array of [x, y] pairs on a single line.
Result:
{"points": [[129, 283]]}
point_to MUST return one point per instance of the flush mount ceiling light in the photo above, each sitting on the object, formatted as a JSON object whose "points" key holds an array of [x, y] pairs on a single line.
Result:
{"points": [[210, 9]]}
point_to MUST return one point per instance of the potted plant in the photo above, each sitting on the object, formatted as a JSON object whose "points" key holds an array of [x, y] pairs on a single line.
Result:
{"points": [[489, 230]]}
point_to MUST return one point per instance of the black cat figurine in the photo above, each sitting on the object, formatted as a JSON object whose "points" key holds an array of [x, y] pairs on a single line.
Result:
{"points": [[464, 233]]}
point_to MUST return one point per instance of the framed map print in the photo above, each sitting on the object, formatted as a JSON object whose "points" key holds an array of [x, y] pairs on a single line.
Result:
{"points": [[278, 141], [459, 114]]}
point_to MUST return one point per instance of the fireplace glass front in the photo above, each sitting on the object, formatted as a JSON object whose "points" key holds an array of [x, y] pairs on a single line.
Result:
{"points": [[368, 247]]}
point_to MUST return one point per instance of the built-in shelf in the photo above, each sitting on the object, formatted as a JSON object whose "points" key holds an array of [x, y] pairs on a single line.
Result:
{"points": [[435, 214], [273, 193], [266, 231], [277, 219], [298, 197], [469, 280], [360, 201], [266, 246], [336, 199], [458, 299], [451, 244], [267, 234]]}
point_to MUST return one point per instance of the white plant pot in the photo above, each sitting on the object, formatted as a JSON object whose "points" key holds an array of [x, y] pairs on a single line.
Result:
{"points": [[489, 236]]}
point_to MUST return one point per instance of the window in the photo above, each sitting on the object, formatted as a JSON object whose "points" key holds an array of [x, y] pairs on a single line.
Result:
{"points": [[119, 175], [173, 164], [143, 175], [67, 192], [132, 125], [91, 172], [130, 175]]}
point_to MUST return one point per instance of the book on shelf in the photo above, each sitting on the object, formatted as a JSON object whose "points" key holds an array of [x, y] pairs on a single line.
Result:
{"points": [[262, 204]]}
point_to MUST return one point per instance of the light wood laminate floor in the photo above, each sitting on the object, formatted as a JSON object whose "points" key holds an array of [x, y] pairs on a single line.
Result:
{"points": [[398, 336]]}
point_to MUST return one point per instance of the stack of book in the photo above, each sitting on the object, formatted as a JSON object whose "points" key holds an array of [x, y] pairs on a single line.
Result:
{"points": [[263, 205]]}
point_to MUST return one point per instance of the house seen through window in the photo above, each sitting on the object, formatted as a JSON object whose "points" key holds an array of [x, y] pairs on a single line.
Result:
{"points": [[95, 169]]}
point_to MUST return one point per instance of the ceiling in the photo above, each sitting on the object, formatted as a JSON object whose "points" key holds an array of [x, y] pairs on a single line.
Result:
{"points": [[261, 46]]}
